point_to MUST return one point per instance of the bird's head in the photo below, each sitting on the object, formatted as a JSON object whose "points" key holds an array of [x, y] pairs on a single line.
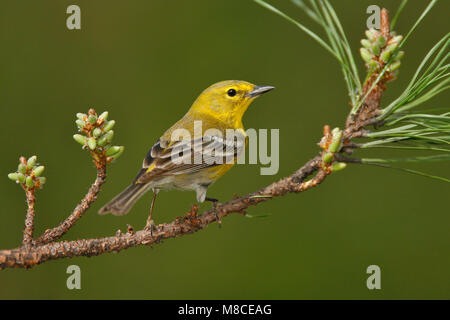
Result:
{"points": [[228, 100]]}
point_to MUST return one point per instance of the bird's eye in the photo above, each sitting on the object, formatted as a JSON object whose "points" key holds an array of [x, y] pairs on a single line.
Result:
{"points": [[231, 92]]}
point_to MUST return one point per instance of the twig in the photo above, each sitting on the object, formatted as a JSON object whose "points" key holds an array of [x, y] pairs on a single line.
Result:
{"points": [[190, 223], [29, 219], [53, 234]]}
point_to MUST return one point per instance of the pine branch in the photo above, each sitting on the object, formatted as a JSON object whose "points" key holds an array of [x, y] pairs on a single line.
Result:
{"points": [[382, 57]]}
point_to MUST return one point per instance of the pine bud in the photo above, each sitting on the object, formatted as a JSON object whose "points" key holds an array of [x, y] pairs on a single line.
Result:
{"points": [[13, 176], [102, 141], [387, 52], [327, 157], [396, 39], [97, 132], [29, 182], [366, 43], [371, 34], [92, 143], [21, 177], [394, 66], [112, 150], [104, 116], [375, 49], [365, 54], [109, 136], [31, 162], [337, 166], [38, 171], [92, 119], [119, 153], [80, 139], [385, 55], [108, 126], [336, 141], [22, 168], [392, 47], [381, 41], [80, 123]]}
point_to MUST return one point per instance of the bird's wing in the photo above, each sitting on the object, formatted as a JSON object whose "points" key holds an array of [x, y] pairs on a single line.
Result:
{"points": [[188, 156]]}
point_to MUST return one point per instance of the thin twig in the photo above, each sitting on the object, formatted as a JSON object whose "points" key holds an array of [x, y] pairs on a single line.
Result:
{"points": [[29, 219], [57, 232]]}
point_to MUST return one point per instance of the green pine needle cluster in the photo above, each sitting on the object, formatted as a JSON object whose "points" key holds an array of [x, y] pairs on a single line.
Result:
{"points": [[409, 128], [404, 126]]}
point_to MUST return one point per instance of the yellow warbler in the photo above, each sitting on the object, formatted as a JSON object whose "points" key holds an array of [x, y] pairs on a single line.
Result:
{"points": [[186, 163]]}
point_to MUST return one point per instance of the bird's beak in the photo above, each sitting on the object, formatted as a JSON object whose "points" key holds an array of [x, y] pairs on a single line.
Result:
{"points": [[258, 91]]}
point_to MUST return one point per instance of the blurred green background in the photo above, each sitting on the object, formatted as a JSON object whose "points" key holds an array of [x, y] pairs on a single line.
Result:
{"points": [[145, 62]]}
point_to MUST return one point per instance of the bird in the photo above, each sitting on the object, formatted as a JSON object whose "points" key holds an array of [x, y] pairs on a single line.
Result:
{"points": [[168, 164]]}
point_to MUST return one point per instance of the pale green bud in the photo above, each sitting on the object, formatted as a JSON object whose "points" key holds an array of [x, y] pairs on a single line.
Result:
{"points": [[119, 153], [112, 150], [397, 39], [337, 166], [21, 177], [109, 136], [376, 49], [109, 125], [13, 176], [327, 157], [366, 43], [336, 141], [97, 132], [38, 171], [102, 141], [104, 116], [365, 54], [371, 34], [386, 54], [80, 139], [81, 115], [80, 123], [31, 162], [335, 131], [381, 41], [92, 119], [92, 143], [392, 47], [29, 182], [22, 168], [42, 180], [394, 66]]}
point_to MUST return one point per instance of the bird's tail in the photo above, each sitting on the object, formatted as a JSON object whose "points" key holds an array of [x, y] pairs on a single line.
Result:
{"points": [[124, 201]]}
